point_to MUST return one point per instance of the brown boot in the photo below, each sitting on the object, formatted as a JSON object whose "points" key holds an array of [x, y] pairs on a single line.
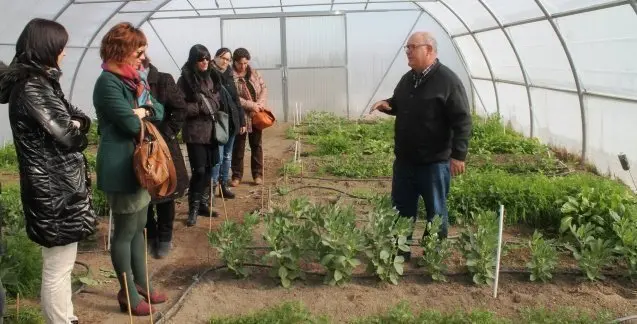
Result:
{"points": [[235, 183]]}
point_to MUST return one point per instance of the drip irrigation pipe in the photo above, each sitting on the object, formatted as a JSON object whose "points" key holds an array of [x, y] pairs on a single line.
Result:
{"points": [[342, 179], [83, 286], [164, 316], [326, 188]]}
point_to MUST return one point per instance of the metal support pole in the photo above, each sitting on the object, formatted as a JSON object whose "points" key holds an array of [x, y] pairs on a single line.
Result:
{"points": [[484, 55], [517, 57], [79, 62], [578, 84], [400, 49]]}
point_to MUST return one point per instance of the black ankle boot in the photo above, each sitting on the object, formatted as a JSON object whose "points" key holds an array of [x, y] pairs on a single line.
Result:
{"points": [[194, 200], [225, 189], [205, 205]]}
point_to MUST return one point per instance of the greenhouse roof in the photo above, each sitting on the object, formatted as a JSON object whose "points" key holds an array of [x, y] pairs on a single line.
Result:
{"points": [[560, 70]]}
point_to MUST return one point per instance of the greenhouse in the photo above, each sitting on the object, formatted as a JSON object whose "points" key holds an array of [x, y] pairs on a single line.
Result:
{"points": [[549, 115]]}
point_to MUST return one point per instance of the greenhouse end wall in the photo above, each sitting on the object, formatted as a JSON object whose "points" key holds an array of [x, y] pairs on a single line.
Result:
{"points": [[545, 66]]}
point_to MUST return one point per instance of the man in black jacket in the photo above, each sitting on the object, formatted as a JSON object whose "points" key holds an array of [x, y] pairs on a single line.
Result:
{"points": [[432, 130]]}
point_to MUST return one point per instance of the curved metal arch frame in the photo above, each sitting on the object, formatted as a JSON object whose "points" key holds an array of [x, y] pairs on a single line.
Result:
{"points": [[88, 45], [458, 52], [548, 17], [484, 55], [578, 83], [517, 57]]}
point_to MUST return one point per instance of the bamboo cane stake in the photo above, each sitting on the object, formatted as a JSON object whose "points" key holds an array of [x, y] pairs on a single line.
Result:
{"points": [[223, 201], [130, 312]]}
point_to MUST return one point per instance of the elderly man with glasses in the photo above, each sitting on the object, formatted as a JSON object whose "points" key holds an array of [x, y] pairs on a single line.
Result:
{"points": [[432, 130]]}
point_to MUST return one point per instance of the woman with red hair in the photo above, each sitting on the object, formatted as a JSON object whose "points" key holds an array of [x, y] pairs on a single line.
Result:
{"points": [[122, 100]]}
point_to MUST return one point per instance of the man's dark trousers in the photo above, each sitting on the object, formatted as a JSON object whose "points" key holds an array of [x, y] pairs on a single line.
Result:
{"points": [[429, 181]]}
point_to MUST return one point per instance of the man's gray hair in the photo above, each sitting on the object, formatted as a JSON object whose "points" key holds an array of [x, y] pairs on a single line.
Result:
{"points": [[429, 39]]}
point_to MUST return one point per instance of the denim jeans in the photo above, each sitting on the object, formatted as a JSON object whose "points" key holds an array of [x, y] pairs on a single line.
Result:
{"points": [[225, 158], [431, 182]]}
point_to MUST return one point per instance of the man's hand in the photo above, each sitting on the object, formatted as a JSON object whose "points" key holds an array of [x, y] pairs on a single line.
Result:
{"points": [[76, 123], [242, 130], [381, 106], [457, 167]]}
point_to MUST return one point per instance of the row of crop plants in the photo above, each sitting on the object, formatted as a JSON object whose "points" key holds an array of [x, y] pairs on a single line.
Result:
{"points": [[590, 216]]}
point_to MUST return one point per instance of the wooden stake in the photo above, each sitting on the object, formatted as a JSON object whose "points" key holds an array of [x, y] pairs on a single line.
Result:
{"points": [[223, 201], [147, 279], [130, 312], [17, 307], [212, 193], [269, 197]]}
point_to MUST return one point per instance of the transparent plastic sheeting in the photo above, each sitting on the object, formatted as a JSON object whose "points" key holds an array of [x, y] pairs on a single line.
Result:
{"points": [[559, 70]]}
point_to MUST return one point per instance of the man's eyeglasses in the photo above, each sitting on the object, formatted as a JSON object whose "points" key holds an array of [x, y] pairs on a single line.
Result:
{"points": [[411, 47]]}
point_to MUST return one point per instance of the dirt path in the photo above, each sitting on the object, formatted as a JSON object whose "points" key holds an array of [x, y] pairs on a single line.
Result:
{"points": [[191, 252]]}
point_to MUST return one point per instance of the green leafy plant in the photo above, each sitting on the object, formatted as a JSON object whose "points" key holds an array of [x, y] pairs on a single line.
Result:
{"points": [[435, 251], [288, 236], [385, 234], [625, 229], [543, 258], [233, 240], [341, 242], [478, 244], [591, 252], [597, 207]]}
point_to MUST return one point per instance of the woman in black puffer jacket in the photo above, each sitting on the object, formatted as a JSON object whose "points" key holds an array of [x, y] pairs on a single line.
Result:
{"points": [[49, 135]]}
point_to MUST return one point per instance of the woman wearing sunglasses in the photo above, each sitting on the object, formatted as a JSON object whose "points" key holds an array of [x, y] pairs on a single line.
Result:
{"points": [[201, 88]]}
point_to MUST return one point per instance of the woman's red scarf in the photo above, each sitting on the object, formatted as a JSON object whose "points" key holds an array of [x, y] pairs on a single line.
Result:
{"points": [[128, 75]]}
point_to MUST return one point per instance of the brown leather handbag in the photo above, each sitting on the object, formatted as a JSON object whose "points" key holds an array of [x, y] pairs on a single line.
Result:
{"points": [[153, 164], [262, 119]]}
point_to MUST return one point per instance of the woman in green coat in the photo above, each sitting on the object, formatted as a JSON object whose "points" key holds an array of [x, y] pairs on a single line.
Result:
{"points": [[122, 99]]}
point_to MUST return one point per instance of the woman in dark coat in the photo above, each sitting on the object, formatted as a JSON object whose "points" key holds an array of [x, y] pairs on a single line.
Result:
{"points": [[221, 171], [49, 135], [201, 88], [163, 88]]}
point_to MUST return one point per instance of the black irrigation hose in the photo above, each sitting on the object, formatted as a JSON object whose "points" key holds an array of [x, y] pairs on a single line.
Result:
{"points": [[343, 179], [83, 286], [326, 188], [180, 302]]}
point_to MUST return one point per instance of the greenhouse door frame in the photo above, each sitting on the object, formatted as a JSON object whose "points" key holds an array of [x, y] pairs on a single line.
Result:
{"points": [[283, 65]]}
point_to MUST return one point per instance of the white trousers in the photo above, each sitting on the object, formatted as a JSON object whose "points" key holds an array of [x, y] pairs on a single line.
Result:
{"points": [[56, 292]]}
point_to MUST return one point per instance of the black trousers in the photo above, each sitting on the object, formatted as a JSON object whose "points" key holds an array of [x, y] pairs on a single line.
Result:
{"points": [[202, 158], [161, 229]]}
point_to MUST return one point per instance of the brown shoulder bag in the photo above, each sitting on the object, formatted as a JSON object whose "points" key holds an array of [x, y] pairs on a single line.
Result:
{"points": [[153, 164]]}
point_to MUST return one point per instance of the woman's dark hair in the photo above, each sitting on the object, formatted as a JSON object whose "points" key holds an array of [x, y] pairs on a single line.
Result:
{"points": [[222, 51], [240, 53], [41, 42], [197, 53]]}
